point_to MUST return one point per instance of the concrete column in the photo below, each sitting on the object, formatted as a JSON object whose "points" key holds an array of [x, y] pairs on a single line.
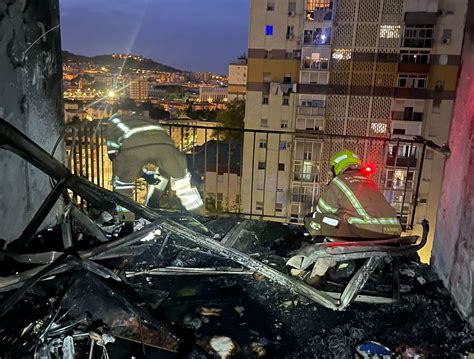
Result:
{"points": [[31, 100], [453, 249]]}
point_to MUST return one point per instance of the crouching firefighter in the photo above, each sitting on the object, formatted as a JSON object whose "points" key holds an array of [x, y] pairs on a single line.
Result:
{"points": [[350, 208], [134, 144], [352, 205]]}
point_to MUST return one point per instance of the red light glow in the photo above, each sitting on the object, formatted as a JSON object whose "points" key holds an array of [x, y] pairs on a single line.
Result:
{"points": [[368, 169]]}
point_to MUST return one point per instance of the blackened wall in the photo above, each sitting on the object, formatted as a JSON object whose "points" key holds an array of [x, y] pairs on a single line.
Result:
{"points": [[453, 249], [31, 100]]}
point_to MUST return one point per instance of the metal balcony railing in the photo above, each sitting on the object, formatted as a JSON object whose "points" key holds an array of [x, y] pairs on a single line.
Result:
{"points": [[250, 173]]}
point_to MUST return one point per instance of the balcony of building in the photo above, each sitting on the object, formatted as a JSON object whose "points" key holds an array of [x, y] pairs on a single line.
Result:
{"points": [[414, 68], [319, 10], [318, 36], [310, 111], [402, 161]]}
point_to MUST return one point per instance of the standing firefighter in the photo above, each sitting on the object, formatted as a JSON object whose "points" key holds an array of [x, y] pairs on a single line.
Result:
{"points": [[134, 144], [352, 205]]}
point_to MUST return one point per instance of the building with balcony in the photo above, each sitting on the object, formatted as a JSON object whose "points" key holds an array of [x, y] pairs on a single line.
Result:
{"points": [[356, 68]]}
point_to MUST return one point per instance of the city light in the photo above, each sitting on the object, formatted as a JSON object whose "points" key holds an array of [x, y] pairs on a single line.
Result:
{"points": [[111, 94]]}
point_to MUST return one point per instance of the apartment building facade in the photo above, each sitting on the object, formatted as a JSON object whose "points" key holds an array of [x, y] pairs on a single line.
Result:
{"points": [[324, 71], [138, 90], [237, 79]]}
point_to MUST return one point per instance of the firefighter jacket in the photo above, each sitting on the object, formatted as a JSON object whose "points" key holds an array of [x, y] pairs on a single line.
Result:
{"points": [[132, 143], [357, 200]]}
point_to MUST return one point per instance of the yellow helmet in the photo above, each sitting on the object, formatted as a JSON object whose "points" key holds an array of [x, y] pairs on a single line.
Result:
{"points": [[344, 159]]}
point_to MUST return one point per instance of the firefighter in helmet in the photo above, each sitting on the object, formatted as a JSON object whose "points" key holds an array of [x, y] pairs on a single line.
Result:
{"points": [[352, 205], [139, 147]]}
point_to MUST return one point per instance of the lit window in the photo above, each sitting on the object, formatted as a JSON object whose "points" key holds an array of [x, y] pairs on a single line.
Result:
{"points": [[414, 57], [342, 54], [318, 36], [378, 127], [269, 30], [389, 31]]}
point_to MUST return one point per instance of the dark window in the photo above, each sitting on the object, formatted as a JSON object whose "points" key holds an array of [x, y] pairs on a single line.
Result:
{"points": [[271, 6], [264, 100], [261, 165], [408, 113], [287, 79], [281, 167], [286, 101], [263, 144], [398, 131], [417, 116]]}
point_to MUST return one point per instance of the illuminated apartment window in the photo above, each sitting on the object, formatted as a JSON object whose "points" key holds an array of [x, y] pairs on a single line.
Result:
{"points": [[342, 54], [318, 10], [414, 57], [378, 127], [315, 62], [389, 31], [318, 36], [269, 30]]}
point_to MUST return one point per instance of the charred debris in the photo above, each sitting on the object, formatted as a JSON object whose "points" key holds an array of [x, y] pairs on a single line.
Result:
{"points": [[175, 286]]}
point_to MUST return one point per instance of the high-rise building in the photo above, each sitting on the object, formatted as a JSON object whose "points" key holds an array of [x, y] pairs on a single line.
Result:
{"points": [[237, 79], [375, 68], [138, 90]]}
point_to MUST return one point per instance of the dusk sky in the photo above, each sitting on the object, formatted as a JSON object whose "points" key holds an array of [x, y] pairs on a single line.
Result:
{"points": [[197, 35]]}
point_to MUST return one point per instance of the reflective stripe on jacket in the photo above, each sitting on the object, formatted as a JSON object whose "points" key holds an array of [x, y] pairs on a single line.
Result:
{"points": [[357, 199], [121, 129]]}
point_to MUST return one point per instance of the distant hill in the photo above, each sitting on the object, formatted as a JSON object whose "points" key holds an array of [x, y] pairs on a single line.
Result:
{"points": [[115, 63]]}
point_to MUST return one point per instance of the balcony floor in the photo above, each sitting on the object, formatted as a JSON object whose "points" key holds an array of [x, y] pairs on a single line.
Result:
{"points": [[251, 310]]}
